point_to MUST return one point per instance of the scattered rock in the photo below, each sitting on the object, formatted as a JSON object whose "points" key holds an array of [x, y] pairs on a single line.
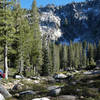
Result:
{"points": [[18, 86], [54, 90], [52, 87], [4, 92], [90, 81], [87, 73], [28, 80], [81, 97], [44, 79], [16, 81], [36, 81], [60, 76], [1, 97], [51, 80], [67, 97], [97, 68], [44, 98], [96, 72], [92, 72], [78, 90], [8, 85], [18, 76], [76, 71], [74, 83], [16, 94], [35, 78], [29, 92]]}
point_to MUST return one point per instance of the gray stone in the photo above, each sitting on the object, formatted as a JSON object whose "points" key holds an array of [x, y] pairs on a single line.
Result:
{"points": [[92, 72], [4, 92], [96, 72], [97, 68], [52, 87], [74, 83], [17, 86], [51, 80], [87, 73], [90, 81], [29, 92], [18, 76], [1, 97], [35, 78], [44, 98], [67, 97], [54, 90], [60, 76], [78, 90]]}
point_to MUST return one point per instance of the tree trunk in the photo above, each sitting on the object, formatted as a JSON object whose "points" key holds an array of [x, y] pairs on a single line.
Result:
{"points": [[21, 64], [34, 70], [5, 61]]}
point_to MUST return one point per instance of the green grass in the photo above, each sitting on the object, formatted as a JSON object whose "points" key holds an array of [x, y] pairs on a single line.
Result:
{"points": [[12, 98]]}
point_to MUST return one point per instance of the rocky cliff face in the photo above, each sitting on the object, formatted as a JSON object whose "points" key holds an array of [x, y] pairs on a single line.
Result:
{"points": [[50, 25], [75, 21]]}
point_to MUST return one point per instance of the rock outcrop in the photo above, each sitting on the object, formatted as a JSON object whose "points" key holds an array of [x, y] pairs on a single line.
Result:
{"points": [[4, 92], [1, 97], [54, 90], [74, 21], [60, 76], [44, 98]]}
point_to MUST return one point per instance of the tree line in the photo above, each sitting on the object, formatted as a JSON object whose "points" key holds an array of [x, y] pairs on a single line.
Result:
{"points": [[75, 56], [23, 48], [20, 41]]}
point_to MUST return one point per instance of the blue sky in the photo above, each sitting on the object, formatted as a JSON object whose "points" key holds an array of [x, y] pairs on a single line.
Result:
{"points": [[28, 3]]}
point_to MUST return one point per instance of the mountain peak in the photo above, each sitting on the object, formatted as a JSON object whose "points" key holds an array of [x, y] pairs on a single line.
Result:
{"points": [[72, 21]]}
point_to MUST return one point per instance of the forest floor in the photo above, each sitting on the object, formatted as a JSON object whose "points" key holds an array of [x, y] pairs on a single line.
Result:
{"points": [[83, 86]]}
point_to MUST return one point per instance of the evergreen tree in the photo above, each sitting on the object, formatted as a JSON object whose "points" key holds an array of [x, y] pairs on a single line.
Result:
{"points": [[90, 52], [87, 62], [84, 45], [80, 54], [24, 40], [56, 58], [46, 61], [84, 58], [92, 62], [18, 13], [95, 52], [51, 53], [6, 29], [98, 51], [63, 57], [23, 36], [36, 51], [76, 56], [70, 55]]}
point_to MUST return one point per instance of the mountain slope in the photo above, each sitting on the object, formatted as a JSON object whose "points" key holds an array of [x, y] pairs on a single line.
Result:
{"points": [[75, 21]]}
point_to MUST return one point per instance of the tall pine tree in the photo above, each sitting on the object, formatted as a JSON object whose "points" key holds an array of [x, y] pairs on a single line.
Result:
{"points": [[6, 29], [36, 51], [46, 60]]}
